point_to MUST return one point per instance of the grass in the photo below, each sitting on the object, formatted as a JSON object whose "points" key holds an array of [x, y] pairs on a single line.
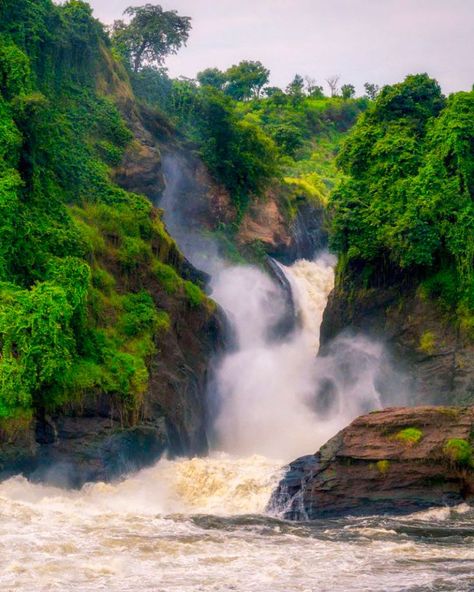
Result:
{"points": [[459, 451], [409, 436]]}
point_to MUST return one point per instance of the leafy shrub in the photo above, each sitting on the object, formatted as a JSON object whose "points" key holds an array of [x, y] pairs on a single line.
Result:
{"points": [[409, 436], [140, 314], [459, 451], [167, 276], [194, 294], [133, 252]]}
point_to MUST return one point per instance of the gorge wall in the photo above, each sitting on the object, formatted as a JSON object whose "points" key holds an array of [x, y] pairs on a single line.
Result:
{"points": [[137, 353], [436, 357]]}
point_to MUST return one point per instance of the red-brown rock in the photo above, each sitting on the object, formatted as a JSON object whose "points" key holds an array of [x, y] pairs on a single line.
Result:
{"points": [[373, 466]]}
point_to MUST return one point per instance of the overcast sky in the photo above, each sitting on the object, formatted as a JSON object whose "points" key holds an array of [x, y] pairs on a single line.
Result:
{"points": [[377, 41]]}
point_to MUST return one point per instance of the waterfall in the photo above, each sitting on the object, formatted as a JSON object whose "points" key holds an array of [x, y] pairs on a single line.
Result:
{"points": [[273, 396], [266, 386]]}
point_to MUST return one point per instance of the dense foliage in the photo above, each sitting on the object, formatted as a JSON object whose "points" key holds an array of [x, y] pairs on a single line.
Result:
{"points": [[252, 136], [407, 202], [151, 35], [75, 315]]}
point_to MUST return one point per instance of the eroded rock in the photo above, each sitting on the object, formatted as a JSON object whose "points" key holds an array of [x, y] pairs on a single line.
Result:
{"points": [[398, 460]]}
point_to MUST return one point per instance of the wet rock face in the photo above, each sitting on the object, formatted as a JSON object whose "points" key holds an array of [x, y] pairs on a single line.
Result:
{"points": [[436, 358], [68, 451], [399, 460]]}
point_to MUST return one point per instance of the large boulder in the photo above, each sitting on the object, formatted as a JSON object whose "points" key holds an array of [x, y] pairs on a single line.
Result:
{"points": [[398, 460]]}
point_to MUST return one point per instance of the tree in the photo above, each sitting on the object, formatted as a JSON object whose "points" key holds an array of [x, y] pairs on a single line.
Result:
{"points": [[371, 90], [151, 35], [153, 86], [296, 87], [271, 91], [408, 172], [236, 150], [332, 83], [212, 77], [348, 91], [315, 91], [246, 80]]}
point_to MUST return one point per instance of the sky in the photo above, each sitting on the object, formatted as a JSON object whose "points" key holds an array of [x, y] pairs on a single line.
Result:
{"points": [[378, 41]]}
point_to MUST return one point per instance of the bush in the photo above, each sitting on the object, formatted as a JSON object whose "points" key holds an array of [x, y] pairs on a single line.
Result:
{"points": [[409, 436], [194, 294], [140, 314], [459, 451], [167, 276]]}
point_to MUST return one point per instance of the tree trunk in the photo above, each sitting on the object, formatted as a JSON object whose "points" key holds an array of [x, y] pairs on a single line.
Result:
{"points": [[138, 57]]}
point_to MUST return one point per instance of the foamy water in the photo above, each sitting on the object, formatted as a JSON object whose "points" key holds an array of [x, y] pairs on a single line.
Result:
{"points": [[198, 525], [312, 282], [270, 391]]}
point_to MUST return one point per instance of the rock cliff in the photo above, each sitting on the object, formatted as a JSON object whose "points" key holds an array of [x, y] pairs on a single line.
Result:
{"points": [[396, 460], [95, 437], [435, 356]]}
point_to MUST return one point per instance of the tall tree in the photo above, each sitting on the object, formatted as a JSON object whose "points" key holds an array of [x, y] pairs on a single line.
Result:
{"points": [[296, 87], [212, 77], [246, 80], [348, 91], [371, 90], [151, 35]]}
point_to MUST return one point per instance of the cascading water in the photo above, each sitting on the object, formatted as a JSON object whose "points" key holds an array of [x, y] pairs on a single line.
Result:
{"points": [[198, 524], [266, 386], [272, 395]]}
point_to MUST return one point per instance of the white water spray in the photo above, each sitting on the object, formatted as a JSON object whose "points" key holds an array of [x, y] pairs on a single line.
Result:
{"points": [[176, 526], [276, 397]]}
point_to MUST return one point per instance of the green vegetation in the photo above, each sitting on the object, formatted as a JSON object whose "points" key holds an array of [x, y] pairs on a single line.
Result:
{"points": [[195, 295], [151, 35], [253, 137], [406, 205], [427, 342], [78, 255], [460, 452], [409, 436], [88, 271], [383, 466]]}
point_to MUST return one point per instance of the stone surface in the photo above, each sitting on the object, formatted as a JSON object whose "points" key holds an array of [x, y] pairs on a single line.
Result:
{"points": [[368, 468], [440, 374]]}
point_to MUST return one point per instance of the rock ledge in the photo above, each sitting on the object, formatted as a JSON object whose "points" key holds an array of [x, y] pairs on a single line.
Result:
{"points": [[398, 460]]}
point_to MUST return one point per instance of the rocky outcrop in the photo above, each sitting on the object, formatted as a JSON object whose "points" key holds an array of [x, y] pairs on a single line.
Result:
{"points": [[265, 227], [436, 358], [95, 439], [287, 240], [397, 460]]}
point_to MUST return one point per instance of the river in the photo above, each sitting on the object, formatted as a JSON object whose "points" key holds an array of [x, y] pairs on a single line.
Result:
{"points": [[199, 526], [202, 525]]}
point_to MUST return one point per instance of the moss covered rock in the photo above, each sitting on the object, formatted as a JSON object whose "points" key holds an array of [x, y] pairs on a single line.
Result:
{"points": [[398, 460]]}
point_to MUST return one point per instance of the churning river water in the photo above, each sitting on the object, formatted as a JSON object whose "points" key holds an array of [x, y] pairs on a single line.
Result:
{"points": [[201, 525]]}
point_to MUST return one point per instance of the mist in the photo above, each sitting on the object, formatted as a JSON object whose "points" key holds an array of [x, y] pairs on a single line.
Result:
{"points": [[270, 393]]}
